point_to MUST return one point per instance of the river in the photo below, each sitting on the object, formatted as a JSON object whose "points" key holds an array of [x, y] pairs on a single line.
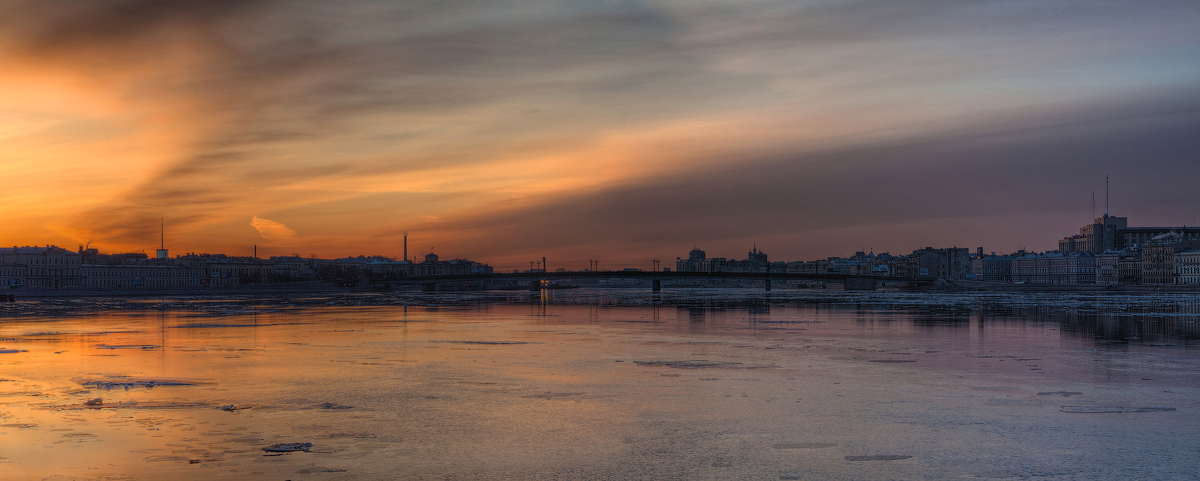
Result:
{"points": [[603, 384]]}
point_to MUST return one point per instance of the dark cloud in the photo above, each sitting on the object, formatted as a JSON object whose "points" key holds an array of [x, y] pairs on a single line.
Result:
{"points": [[280, 93], [80, 23], [106, 29], [303, 83], [893, 193]]}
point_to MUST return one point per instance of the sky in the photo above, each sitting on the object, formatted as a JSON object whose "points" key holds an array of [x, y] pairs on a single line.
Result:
{"points": [[615, 130]]}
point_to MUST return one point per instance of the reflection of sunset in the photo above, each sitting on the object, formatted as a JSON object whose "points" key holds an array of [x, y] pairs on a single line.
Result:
{"points": [[598, 384]]}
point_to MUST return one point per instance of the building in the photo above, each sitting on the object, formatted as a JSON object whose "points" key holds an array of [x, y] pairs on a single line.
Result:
{"points": [[947, 263], [756, 261], [46, 267], [227, 271], [697, 261], [1103, 234], [1187, 267], [1129, 267], [143, 275], [293, 268], [1075, 243], [1073, 269], [992, 268], [1111, 233], [13, 276], [432, 266], [1055, 269], [1107, 268], [1137, 236], [1026, 269], [1158, 258]]}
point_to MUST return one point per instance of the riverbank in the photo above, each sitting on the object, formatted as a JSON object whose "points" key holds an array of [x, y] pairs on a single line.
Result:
{"points": [[314, 287], [281, 288], [1008, 287]]}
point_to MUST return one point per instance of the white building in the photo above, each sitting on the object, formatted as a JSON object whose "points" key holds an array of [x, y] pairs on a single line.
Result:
{"points": [[1187, 267]]}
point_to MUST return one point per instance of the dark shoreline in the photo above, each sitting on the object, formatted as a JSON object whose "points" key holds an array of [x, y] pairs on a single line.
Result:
{"points": [[290, 288], [329, 288]]}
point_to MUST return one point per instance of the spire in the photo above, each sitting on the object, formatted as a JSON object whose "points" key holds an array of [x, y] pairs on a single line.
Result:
{"points": [[162, 240]]}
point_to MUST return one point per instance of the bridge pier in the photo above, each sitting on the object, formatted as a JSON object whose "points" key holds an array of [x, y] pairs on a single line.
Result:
{"points": [[767, 283], [656, 285], [429, 287]]}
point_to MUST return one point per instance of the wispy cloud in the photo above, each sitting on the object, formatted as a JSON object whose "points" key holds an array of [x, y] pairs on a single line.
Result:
{"points": [[271, 230], [382, 116]]}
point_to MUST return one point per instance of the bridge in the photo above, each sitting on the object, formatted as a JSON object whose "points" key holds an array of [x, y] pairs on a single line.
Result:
{"points": [[540, 280]]}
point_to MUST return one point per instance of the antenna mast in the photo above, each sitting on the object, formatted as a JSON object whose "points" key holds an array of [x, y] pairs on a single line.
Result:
{"points": [[1105, 194], [162, 233]]}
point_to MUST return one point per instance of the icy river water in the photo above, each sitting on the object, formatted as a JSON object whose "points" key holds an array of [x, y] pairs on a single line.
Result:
{"points": [[603, 384]]}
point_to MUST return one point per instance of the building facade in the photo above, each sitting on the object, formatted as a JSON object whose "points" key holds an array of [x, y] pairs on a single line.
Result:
{"points": [[1187, 267], [947, 263], [46, 267], [992, 268], [1055, 269], [1158, 258], [697, 261], [1111, 233], [1107, 272], [13, 276], [158, 275]]}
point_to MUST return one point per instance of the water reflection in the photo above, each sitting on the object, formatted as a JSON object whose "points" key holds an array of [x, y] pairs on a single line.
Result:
{"points": [[702, 384], [1133, 319]]}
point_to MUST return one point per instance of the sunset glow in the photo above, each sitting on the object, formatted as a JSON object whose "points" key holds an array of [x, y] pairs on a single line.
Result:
{"points": [[503, 131]]}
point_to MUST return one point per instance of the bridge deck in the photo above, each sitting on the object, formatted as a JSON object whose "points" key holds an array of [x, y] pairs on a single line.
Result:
{"points": [[645, 275]]}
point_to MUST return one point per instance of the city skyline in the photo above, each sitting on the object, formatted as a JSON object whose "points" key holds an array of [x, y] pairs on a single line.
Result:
{"points": [[1108, 235], [619, 131]]}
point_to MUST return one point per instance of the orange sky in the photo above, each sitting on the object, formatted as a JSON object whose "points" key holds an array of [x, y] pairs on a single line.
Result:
{"points": [[505, 131]]}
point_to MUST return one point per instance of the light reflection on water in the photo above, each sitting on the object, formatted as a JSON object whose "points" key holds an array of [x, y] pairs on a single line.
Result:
{"points": [[699, 384]]}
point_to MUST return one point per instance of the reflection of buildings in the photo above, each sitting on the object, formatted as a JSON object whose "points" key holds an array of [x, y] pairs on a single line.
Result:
{"points": [[1167, 322]]}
